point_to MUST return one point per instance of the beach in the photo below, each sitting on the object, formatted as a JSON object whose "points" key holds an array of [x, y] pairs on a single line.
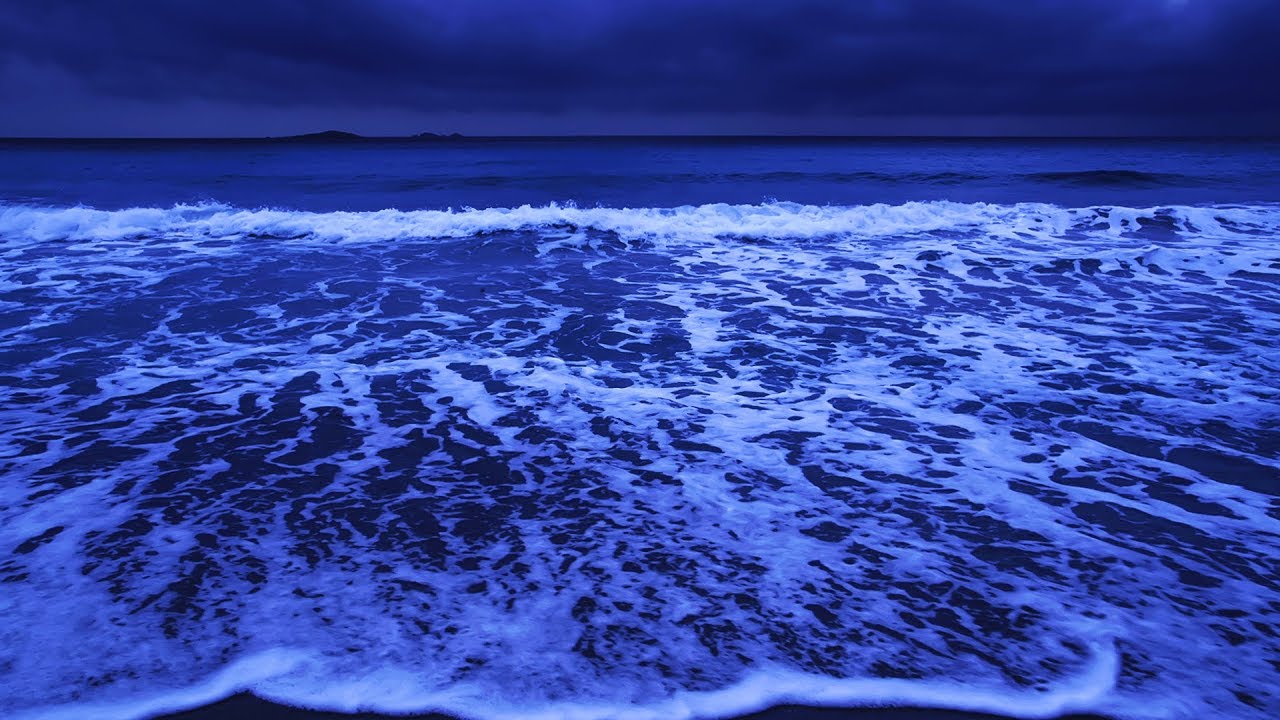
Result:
{"points": [[640, 428]]}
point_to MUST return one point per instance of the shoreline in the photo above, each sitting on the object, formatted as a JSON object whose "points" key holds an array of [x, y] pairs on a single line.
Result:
{"points": [[246, 706]]}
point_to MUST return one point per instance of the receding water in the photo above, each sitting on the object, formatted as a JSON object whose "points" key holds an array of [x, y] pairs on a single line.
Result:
{"points": [[678, 459]]}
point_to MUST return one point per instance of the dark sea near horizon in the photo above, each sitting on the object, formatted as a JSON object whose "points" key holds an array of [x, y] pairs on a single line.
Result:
{"points": [[640, 428], [377, 174]]}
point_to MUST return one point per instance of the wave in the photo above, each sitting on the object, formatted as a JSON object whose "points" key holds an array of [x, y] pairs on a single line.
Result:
{"points": [[289, 678], [1113, 178], [937, 178], [488, 181], [495, 461], [769, 220]]}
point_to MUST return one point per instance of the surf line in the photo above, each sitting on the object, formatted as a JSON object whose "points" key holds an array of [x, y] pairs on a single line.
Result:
{"points": [[274, 675]]}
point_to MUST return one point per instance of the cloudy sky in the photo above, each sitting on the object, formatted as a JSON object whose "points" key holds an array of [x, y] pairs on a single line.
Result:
{"points": [[270, 67]]}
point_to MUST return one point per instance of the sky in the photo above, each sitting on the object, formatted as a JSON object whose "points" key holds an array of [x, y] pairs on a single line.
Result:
{"points": [[246, 68]]}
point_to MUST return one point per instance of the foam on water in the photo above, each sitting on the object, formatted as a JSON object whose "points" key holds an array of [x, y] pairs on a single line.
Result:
{"points": [[679, 462], [775, 220]]}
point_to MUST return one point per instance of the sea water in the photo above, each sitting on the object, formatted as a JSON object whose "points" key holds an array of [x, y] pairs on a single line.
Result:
{"points": [[640, 429]]}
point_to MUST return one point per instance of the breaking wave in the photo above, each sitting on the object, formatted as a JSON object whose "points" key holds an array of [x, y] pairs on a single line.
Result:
{"points": [[774, 220], [647, 463]]}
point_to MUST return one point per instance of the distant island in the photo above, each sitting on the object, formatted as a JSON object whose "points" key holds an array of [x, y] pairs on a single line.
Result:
{"points": [[341, 136]]}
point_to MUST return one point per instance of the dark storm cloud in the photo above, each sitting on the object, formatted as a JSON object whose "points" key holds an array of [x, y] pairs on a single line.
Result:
{"points": [[777, 57]]}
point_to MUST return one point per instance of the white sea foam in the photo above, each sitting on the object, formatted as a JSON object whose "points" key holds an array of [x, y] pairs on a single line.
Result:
{"points": [[775, 220], [642, 463], [289, 678], [237, 676]]}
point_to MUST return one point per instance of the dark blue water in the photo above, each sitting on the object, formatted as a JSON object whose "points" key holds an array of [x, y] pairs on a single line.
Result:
{"points": [[638, 173], [661, 429]]}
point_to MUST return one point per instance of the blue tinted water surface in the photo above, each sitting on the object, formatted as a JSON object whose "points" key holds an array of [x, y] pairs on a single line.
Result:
{"points": [[642, 429]]}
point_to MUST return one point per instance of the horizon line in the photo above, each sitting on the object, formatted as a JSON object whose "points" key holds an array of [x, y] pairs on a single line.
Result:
{"points": [[339, 137]]}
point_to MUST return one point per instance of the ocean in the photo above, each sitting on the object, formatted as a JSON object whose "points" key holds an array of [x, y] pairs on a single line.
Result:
{"points": [[641, 428]]}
